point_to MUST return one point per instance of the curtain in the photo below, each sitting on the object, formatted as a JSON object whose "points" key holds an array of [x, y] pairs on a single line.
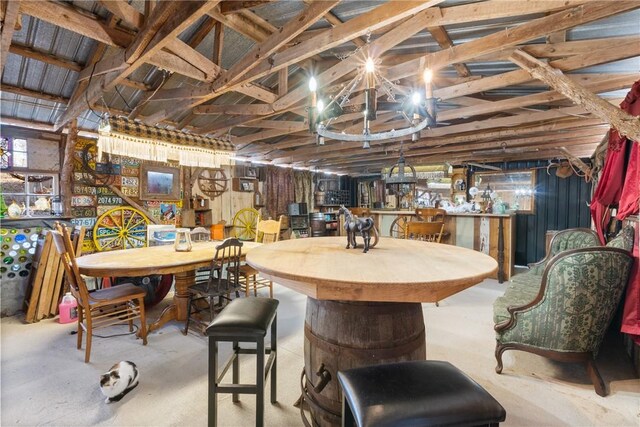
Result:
{"points": [[279, 189], [303, 188]]}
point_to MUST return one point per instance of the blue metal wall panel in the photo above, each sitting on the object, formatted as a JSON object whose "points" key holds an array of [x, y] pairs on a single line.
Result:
{"points": [[560, 203]]}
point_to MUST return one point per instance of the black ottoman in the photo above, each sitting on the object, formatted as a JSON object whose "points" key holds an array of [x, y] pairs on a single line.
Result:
{"points": [[243, 320], [420, 393]]}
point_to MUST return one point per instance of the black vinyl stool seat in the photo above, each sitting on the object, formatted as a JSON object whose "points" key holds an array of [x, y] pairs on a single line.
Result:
{"points": [[420, 393], [243, 320]]}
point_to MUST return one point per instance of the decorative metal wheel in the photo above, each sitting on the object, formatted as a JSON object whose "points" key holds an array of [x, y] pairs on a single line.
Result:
{"points": [[212, 182], [244, 224], [398, 225], [120, 228]]}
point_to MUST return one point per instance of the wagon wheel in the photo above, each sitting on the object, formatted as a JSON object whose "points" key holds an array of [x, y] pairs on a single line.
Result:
{"points": [[398, 225], [212, 182], [120, 228], [244, 224]]}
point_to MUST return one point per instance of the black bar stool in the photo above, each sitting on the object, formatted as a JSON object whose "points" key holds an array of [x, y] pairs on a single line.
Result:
{"points": [[243, 320], [420, 393]]}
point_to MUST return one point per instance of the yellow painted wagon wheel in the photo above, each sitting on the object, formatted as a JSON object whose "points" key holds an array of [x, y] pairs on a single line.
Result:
{"points": [[398, 225], [120, 228], [244, 224]]}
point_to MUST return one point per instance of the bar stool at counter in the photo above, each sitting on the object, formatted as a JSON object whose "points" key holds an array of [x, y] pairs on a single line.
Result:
{"points": [[243, 320], [418, 393]]}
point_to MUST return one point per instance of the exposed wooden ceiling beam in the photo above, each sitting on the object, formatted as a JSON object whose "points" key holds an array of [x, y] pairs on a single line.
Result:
{"points": [[623, 122], [29, 52], [551, 140], [167, 21], [379, 17], [614, 52], [512, 36], [290, 30], [218, 42], [238, 109], [442, 37], [72, 19], [124, 11], [242, 25], [227, 7], [33, 94], [8, 27], [340, 149], [598, 83]]}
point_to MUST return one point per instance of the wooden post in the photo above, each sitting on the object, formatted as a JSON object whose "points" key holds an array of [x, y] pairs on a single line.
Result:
{"points": [[66, 174], [623, 122]]}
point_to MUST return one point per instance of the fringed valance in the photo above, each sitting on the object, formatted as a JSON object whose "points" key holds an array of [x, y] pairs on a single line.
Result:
{"points": [[128, 138]]}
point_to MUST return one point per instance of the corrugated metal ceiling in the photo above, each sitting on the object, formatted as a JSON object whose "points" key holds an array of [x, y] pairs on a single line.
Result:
{"points": [[38, 76]]}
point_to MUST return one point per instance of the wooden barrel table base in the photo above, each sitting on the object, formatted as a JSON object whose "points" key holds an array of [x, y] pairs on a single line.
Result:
{"points": [[340, 335], [364, 308]]}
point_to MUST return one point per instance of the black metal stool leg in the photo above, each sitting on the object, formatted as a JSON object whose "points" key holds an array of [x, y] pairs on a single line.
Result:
{"points": [[236, 370], [260, 383], [347, 415], [186, 325], [213, 386], [274, 370]]}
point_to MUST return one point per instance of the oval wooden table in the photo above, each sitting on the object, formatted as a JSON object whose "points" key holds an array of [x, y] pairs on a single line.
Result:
{"points": [[364, 308], [157, 260]]}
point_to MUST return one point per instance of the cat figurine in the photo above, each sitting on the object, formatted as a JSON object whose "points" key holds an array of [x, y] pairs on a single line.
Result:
{"points": [[120, 380]]}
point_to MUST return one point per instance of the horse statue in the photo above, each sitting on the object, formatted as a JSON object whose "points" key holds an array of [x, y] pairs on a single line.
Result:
{"points": [[353, 225]]}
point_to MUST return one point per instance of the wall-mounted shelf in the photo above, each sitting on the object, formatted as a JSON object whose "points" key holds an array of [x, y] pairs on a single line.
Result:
{"points": [[244, 184]]}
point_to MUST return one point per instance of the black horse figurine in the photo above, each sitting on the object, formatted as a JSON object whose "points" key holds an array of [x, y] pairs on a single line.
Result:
{"points": [[353, 225]]}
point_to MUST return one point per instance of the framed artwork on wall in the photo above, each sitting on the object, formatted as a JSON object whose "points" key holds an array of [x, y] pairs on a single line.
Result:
{"points": [[159, 182]]}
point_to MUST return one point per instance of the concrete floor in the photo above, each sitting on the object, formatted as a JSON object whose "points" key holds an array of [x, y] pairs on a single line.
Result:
{"points": [[45, 382]]}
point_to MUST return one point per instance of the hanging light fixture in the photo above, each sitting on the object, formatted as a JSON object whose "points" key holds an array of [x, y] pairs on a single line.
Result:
{"points": [[419, 110]]}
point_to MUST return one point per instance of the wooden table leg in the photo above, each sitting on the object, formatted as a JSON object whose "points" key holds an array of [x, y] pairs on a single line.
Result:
{"points": [[177, 310], [346, 334]]}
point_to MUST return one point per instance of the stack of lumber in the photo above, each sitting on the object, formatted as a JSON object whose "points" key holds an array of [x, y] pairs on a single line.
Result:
{"points": [[46, 280]]}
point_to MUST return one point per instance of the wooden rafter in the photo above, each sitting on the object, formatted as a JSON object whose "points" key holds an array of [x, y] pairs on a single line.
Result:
{"points": [[8, 27], [623, 122]]}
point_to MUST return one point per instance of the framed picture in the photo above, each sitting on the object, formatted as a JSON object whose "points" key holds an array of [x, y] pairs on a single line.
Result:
{"points": [[246, 186], [251, 172], [159, 183]]}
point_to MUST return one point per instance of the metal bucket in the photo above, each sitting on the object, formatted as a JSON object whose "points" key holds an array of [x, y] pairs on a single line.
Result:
{"points": [[318, 224]]}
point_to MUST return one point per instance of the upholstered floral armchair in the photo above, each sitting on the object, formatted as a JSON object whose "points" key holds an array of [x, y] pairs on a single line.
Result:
{"points": [[572, 238], [566, 319]]}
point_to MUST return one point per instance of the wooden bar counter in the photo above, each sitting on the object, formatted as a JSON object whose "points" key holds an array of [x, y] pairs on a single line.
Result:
{"points": [[492, 234]]}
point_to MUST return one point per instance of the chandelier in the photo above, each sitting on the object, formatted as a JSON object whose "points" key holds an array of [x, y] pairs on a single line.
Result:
{"points": [[418, 108]]}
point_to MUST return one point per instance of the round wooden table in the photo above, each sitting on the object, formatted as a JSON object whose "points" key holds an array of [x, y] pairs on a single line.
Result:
{"points": [[364, 308], [157, 260]]}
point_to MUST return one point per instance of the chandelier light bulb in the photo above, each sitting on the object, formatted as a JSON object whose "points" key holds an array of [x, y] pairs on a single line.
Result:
{"points": [[427, 75], [320, 105], [416, 98], [313, 84], [369, 66]]}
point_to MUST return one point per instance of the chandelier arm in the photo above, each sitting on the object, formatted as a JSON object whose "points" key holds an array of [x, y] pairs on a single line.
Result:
{"points": [[379, 136]]}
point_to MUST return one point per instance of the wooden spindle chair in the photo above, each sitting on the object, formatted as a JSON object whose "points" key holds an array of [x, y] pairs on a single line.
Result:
{"points": [[425, 231], [267, 231], [116, 305]]}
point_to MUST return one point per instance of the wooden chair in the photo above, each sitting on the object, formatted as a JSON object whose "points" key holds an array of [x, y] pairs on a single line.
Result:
{"points": [[223, 280], [430, 214], [433, 215], [267, 231], [422, 230], [105, 307], [360, 212]]}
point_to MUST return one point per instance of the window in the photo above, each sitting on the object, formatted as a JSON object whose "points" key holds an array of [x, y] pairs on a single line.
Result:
{"points": [[13, 153], [32, 193]]}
